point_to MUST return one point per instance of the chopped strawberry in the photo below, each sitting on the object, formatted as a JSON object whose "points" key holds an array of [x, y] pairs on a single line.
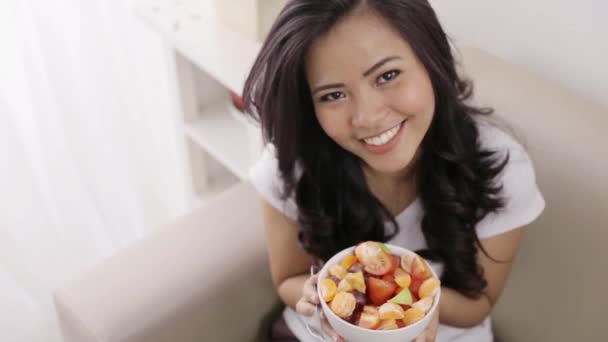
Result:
{"points": [[415, 286], [389, 277], [395, 262], [379, 291]]}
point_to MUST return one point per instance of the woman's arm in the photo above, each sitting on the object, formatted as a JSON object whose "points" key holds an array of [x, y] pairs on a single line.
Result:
{"points": [[289, 264], [460, 311]]}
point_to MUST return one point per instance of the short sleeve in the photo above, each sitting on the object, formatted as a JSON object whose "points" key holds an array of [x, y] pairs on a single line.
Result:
{"points": [[522, 197], [265, 177]]}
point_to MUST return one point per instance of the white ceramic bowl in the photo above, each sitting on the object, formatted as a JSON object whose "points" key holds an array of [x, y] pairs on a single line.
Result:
{"points": [[353, 333]]}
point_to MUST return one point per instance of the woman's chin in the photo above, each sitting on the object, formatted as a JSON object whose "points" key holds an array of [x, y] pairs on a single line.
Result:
{"points": [[388, 167]]}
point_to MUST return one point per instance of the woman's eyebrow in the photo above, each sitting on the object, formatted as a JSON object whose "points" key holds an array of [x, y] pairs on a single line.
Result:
{"points": [[327, 86], [379, 64], [365, 74]]}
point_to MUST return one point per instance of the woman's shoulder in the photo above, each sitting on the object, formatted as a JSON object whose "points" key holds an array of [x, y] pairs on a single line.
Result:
{"points": [[494, 136], [523, 201]]}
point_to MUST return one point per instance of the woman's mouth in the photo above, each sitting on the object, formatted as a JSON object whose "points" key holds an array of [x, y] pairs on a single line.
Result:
{"points": [[386, 141]]}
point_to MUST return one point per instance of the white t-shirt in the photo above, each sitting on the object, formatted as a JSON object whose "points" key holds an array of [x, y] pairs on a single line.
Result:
{"points": [[523, 204]]}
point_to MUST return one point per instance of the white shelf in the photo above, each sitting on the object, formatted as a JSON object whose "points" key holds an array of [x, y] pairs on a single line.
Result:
{"points": [[225, 138], [220, 185], [192, 28]]}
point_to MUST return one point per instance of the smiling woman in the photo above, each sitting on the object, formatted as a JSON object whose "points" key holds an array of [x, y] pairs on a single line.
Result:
{"points": [[371, 138]]}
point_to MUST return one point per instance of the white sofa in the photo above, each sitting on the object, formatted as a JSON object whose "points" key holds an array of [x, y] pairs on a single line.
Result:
{"points": [[205, 276]]}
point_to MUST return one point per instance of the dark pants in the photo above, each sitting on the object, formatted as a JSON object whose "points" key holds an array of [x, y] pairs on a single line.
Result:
{"points": [[274, 328]]}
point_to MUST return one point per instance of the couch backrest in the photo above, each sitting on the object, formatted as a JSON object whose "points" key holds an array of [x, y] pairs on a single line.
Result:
{"points": [[556, 291]]}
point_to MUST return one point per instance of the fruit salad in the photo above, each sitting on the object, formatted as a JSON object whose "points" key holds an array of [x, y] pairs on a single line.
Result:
{"points": [[375, 289]]}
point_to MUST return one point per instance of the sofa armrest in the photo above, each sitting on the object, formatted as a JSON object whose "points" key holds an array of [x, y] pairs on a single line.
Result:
{"points": [[202, 278]]}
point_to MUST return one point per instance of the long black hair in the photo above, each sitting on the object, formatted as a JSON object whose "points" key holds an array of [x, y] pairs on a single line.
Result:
{"points": [[455, 175]]}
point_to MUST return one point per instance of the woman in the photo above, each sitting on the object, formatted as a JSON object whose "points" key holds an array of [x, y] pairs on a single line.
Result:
{"points": [[371, 138]]}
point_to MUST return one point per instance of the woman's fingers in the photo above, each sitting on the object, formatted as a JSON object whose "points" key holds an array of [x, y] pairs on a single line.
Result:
{"points": [[304, 307], [310, 290], [329, 330], [307, 304]]}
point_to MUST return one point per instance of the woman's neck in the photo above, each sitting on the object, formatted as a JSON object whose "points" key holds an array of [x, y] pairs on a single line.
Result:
{"points": [[395, 191]]}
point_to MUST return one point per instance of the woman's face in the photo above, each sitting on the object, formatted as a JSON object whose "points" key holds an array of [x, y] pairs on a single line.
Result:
{"points": [[371, 94]]}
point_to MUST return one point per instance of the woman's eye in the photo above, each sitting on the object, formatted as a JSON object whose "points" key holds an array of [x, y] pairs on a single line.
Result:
{"points": [[388, 76], [332, 96]]}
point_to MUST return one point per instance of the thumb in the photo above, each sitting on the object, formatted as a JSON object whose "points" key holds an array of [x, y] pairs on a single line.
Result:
{"points": [[333, 335]]}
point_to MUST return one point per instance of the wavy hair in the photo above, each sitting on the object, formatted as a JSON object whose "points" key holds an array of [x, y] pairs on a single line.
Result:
{"points": [[336, 209]]}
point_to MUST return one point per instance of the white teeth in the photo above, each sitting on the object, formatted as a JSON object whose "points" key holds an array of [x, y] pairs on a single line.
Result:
{"points": [[383, 138]]}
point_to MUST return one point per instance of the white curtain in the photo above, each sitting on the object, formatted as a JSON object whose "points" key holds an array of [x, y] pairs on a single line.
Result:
{"points": [[89, 155]]}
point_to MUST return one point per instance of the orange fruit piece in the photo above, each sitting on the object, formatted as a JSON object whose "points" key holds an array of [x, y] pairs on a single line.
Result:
{"points": [[348, 262], [391, 311], [412, 316], [424, 304], [420, 269], [406, 263], [429, 288], [337, 271], [370, 318], [402, 278], [388, 324], [328, 289], [343, 304]]}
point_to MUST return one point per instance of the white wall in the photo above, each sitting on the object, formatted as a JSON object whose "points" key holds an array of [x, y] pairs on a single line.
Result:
{"points": [[562, 40]]}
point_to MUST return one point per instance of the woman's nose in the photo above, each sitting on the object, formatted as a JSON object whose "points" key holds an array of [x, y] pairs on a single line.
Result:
{"points": [[368, 111]]}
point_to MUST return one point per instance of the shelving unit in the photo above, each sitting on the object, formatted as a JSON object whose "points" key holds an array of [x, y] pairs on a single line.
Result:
{"points": [[223, 137], [209, 60]]}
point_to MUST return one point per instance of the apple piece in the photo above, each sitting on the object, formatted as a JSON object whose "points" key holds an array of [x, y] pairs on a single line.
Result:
{"points": [[391, 311], [404, 297], [379, 291], [343, 304], [429, 287], [328, 289]]}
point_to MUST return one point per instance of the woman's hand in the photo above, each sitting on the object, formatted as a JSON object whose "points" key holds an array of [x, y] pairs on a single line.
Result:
{"points": [[430, 333], [307, 306]]}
